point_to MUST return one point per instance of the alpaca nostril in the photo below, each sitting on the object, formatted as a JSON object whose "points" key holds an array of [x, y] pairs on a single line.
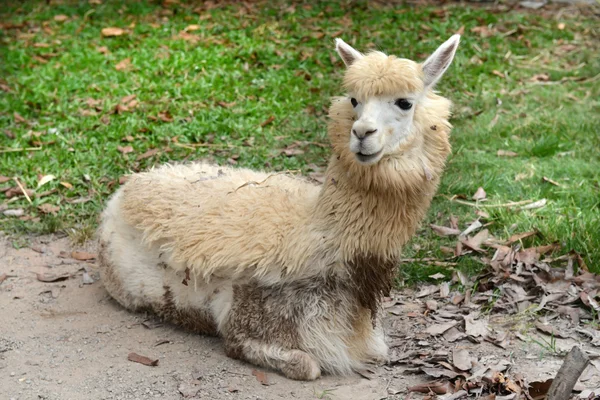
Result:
{"points": [[362, 135]]}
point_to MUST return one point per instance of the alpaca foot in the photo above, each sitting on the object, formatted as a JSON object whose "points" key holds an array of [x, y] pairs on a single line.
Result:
{"points": [[295, 364], [300, 366]]}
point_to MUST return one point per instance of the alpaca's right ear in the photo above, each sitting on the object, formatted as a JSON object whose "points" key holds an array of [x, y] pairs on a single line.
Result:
{"points": [[347, 52], [437, 63]]}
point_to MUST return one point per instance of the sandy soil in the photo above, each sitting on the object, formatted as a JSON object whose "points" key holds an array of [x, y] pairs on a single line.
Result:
{"points": [[70, 340]]}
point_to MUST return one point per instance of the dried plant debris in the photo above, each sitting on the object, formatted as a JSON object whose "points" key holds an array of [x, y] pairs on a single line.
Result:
{"points": [[523, 293], [142, 360]]}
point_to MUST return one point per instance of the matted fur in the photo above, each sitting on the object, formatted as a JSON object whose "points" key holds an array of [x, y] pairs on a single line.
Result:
{"points": [[290, 273]]}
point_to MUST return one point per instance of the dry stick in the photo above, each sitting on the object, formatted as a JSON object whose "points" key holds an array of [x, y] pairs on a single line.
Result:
{"points": [[568, 374], [23, 190], [20, 149], [511, 204]]}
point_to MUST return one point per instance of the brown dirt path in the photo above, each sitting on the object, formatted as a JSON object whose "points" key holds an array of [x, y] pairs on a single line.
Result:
{"points": [[69, 340]]}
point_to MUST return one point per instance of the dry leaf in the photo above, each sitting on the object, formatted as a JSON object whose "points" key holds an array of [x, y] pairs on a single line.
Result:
{"points": [[165, 116], [48, 277], [125, 149], [103, 50], [544, 77], [438, 329], [474, 327], [538, 390], [45, 179], [267, 121], [439, 372], [128, 98], [475, 242], [506, 153], [14, 212], [435, 387], [191, 28], [520, 236], [479, 194], [225, 104], [60, 18], [18, 118], [444, 231], [4, 179], [123, 64], [67, 185], [142, 360], [3, 277], [82, 255], [462, 359], [16, 191], [261, 377], [147, 154], [110, 32], [498, 73], [48, 208]]}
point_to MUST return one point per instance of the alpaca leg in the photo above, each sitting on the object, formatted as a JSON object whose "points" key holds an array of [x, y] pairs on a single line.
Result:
{"points": [[295, 364]]}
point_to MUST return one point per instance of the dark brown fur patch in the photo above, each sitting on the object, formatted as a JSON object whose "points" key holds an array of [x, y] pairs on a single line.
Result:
{"points": [[195, 320], [264, 314], [371, 279]]}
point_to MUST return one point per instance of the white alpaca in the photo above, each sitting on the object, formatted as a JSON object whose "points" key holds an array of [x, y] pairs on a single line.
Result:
{"points": [[291, 274]]}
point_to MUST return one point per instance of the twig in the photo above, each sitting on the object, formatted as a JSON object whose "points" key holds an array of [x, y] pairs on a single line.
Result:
{"points": [[23, 190], [511, 204], [20, 149], [264, 180], [193, 146], [568, 374]]}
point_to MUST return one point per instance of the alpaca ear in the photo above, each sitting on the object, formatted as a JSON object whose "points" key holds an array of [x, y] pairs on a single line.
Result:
{"points": [[437, 63], [346, 52]]}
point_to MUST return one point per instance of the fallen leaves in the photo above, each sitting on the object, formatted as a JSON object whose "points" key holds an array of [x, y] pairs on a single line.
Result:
{"points": [[123, 65], [48, 277], [479, 194], [82, 255], [142, 360], [112, 32], [125, 149], [506, 153], [147, 154], [61, 18], [48, 208], [261, 377], [267, 121]]}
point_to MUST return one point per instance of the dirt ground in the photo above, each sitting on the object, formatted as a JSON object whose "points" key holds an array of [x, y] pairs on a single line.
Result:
{"points": [[70, 340]]}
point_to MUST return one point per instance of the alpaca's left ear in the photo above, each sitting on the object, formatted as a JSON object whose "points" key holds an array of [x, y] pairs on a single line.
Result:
{"points": [[437, 63], [347, 52]]}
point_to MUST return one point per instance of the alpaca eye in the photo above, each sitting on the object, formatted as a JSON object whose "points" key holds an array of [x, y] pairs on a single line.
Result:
{"points": [[354, 102], [403, 104]]}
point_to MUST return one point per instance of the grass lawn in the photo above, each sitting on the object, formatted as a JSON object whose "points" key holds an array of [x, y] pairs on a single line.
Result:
{"points": [[249, 85]]}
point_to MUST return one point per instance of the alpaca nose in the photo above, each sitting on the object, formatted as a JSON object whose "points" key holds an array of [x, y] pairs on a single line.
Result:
{"points": [[362, 133]]}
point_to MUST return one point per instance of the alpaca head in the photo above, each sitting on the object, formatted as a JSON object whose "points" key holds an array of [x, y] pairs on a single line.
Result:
{"points": [[384, 92]]}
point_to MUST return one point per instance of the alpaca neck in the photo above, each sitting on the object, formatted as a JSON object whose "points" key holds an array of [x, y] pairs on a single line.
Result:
{"points": [[373, 210], [365, 221]]}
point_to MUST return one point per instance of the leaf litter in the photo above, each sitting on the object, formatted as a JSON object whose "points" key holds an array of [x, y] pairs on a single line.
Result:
{"points": [[522, 294]]}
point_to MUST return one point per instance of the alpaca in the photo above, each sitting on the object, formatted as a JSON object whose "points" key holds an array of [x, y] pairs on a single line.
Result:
{"points": [[290, 273]]}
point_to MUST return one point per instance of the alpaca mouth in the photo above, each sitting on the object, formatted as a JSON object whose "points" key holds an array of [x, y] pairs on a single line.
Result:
{"points": [[368, 158]]}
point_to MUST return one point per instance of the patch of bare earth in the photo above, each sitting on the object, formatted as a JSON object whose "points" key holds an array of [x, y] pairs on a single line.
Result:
{"points": [[63, 337]]}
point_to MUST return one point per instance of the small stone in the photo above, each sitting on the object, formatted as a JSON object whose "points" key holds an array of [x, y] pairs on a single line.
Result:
{"points": [[12, 374]]}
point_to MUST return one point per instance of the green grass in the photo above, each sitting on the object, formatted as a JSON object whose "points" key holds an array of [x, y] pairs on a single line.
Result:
{"points": [[276, 60]]}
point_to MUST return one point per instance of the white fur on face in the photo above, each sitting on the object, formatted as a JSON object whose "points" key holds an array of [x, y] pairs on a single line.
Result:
{"points": [[381, 126]]}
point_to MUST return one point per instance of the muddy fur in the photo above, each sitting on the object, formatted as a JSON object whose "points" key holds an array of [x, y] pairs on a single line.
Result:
{"points": [[289, 273]]}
